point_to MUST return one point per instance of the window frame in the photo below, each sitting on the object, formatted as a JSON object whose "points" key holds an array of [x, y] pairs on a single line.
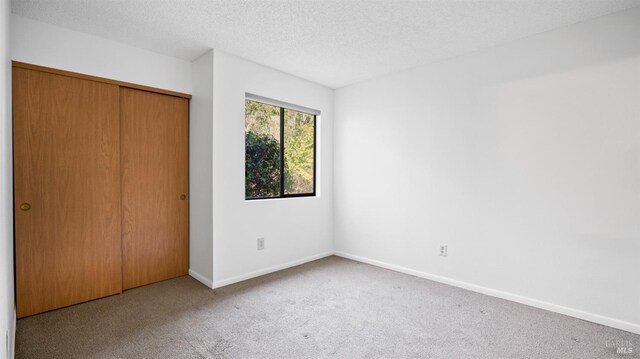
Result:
{"points": [[282, 195]]}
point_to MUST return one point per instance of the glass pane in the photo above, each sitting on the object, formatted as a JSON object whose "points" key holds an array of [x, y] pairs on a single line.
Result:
{"points": [[262, 150], [298, 152]]}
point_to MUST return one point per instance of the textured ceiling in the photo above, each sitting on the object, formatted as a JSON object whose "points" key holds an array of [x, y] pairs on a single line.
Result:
{"points": [[334, 43]]}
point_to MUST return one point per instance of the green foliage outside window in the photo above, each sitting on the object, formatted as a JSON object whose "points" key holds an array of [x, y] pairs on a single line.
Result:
{"points": [[262, 151], [298, 152]]}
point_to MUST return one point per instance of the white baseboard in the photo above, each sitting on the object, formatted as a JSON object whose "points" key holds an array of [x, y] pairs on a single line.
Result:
{"points": [[576, 313], [240, 278], [200, 278], [12, 340]]}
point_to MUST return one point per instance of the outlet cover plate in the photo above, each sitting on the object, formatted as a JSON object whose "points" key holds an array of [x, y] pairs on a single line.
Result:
{"points": [[443, 250]]}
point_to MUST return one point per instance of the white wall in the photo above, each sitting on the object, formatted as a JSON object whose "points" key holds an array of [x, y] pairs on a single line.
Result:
{"points": [[7, 303], [43, 44], [295, 229], [201, 172], [524, 159]]}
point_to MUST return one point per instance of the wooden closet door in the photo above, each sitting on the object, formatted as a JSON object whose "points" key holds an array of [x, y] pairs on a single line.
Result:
{"points": [[154, 187], [67, 190]]}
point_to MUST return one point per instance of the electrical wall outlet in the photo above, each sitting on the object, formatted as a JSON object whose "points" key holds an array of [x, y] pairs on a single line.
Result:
{"points": [[260, 243], [443, 250]]}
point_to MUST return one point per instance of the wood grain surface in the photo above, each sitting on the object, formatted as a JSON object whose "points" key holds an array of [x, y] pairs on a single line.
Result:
{"points": [[154, 155], [23, 65], [67, 167]]}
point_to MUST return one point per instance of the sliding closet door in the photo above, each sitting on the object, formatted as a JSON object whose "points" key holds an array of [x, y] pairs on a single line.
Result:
{"points": [[154, 187], [67, 190]]}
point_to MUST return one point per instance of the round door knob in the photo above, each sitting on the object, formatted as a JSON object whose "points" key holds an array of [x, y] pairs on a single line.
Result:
{"points": [[25, 206], [183, 197]]}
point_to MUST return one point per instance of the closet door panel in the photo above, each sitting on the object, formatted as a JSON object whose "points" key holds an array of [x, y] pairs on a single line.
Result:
{"points": [[154, 186], [67, 190]]}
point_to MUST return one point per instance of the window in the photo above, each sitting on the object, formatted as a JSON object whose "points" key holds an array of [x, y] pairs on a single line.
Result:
{"points": [[280, 151]]}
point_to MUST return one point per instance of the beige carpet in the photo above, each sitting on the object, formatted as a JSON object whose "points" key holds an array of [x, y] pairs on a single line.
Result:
{"points": [[330, 308]]}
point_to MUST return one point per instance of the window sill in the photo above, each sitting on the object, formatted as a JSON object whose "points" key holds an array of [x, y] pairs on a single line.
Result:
{"points": [[290, 197]]}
